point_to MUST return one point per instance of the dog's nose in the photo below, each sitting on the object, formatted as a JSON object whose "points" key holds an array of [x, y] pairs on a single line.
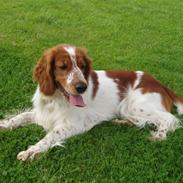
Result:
{"points": [[81, 87]]}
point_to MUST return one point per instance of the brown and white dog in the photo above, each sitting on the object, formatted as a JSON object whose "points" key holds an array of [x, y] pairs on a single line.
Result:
{"points": [[71, 98]]}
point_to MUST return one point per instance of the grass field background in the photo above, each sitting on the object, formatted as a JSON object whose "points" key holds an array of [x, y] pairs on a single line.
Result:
{"points": [[119, 34]]}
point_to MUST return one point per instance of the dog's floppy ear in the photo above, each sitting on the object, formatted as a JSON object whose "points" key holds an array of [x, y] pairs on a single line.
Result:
{"points": [[43, 72]]}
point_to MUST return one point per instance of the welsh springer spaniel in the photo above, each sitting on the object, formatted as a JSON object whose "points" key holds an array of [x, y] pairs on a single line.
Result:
{"points": [[71, 98]]}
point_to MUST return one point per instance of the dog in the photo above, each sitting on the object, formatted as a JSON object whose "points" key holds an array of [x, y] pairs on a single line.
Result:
{"points": [[71, 98]]}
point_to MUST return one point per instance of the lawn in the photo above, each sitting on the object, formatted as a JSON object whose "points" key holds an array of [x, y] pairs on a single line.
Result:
{"points": [[119, 34]]}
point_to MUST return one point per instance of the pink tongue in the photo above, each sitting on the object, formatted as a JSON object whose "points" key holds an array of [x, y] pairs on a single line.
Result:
{"points": [[76, 101]]}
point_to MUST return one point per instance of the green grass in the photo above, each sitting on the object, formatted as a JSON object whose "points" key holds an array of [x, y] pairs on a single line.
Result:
{"points": [[119, 34]]}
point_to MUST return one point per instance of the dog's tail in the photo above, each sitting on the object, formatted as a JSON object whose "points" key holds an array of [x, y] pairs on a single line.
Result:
{"points": [[178, 101]]}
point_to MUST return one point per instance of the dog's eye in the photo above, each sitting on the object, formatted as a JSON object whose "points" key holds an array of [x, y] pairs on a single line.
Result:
{"points": [[83, 66], [63, 67]]}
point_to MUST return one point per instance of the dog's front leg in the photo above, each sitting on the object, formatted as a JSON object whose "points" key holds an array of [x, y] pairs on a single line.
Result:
{"points": [[53, 138], [16, 121]]}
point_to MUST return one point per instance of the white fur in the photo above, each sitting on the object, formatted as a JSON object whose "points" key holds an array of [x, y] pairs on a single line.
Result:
{"points": [[70, 77], [179, 108], [139, 75], [71, 50], [61, 120]]}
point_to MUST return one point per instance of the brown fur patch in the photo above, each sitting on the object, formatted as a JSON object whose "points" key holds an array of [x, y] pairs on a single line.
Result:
{"points": [[95, 81], [43, 72], [83, 61], [123, 79], [150, 85]]}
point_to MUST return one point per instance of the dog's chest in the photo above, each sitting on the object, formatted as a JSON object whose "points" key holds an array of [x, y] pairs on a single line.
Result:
{"points": [[49, 110]]}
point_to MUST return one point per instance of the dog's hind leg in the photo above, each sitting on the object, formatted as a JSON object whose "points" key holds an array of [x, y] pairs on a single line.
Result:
{"points": [[16, 121], [163, 121], [142, 109]]}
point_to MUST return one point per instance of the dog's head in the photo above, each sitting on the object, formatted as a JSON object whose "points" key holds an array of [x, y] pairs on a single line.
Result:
{"points": [[66, 68]]}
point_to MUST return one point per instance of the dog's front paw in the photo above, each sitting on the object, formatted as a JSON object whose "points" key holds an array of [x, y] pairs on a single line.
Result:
{"points": [[28, 155], [158, 135]]}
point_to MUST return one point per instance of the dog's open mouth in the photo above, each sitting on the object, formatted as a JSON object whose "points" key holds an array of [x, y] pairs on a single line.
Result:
{"points": [[75, 100]]}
